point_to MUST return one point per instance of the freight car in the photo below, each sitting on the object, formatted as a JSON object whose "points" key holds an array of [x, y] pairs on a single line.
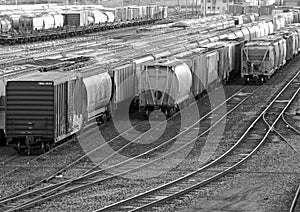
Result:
{"points": [[17, 71], [169, 84], [32, 28], [59, 103], [207, 66], [211, 63], [262, 57], [5, 24]]}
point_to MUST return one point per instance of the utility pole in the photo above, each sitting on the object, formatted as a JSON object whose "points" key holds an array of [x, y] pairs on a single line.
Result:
{"points": [[192, 8], [196, 8], [204, 8], [185, 8], [227, 3]]}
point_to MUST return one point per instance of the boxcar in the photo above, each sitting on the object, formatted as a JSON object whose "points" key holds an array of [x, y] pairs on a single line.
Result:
{"points": [[43, 108], [8, 74], [75, 18], [40, 107]]}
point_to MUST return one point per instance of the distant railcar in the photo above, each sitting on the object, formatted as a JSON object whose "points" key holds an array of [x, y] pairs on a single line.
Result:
{"points": [[263, 56]]}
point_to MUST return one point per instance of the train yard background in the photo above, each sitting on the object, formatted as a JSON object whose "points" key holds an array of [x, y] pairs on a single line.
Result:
{"points": [[79, 175]]}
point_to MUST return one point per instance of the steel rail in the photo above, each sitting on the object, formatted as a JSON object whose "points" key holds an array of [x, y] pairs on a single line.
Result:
{"points": [[282, 136], [191, 188], [54, 193], [295, 201]]}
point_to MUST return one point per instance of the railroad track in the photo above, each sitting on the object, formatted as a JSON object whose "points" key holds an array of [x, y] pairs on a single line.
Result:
{"points": [[75, 33], [295, 206], [30, 50], [253, 138], [43, 45], [67, 146], [93, 176], [48, 49], [291, 135]]}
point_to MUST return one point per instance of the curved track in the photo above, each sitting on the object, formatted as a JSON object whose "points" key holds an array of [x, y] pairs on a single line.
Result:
{"points": [[89, 178], [295, 207], [245, 147]]}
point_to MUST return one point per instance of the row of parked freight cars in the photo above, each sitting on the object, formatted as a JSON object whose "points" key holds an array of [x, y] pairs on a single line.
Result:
{"points": [[262, 10], [42, 26], [78, 17], [263, 56], [16, 55], [152, 44], [35, 113]]}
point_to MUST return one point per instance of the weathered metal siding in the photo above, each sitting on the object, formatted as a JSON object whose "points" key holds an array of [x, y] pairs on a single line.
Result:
{"points": [[61, 119], [125, 81], [72, 19], [30, 109]]}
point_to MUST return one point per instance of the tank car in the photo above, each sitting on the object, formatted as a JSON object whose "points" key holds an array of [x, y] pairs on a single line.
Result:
{"points": [[110, 16], [5, 24], [96, 17]]}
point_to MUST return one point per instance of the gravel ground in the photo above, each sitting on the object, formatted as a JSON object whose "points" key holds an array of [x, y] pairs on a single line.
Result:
{"points": [[253, 188], [242, 186], [29, 173], [116, 189], [267, 182]]}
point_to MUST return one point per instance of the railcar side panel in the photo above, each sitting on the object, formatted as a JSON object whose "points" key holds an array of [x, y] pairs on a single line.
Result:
{"points": [[96, 93], [30, 110], [125, 83]]}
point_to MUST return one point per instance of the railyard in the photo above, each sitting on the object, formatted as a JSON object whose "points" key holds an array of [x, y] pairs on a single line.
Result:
{"points": [[151, 112]]}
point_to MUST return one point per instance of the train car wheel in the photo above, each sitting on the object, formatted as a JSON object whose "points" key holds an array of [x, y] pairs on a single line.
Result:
{"points": [[247, 81], [43, 147], [147, 113], [167, 113], [19, 146], [98, 120], [3, 139]]}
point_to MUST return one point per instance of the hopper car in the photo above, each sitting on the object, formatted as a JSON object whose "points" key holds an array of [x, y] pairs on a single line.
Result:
{"points": [[161, 82], [193, 71], [169, 84], [262, 57]]}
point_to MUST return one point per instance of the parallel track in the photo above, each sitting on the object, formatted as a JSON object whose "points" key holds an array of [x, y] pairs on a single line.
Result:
{"points": [[31, 198], [61, 34], [285, 131], [253, 138]]}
